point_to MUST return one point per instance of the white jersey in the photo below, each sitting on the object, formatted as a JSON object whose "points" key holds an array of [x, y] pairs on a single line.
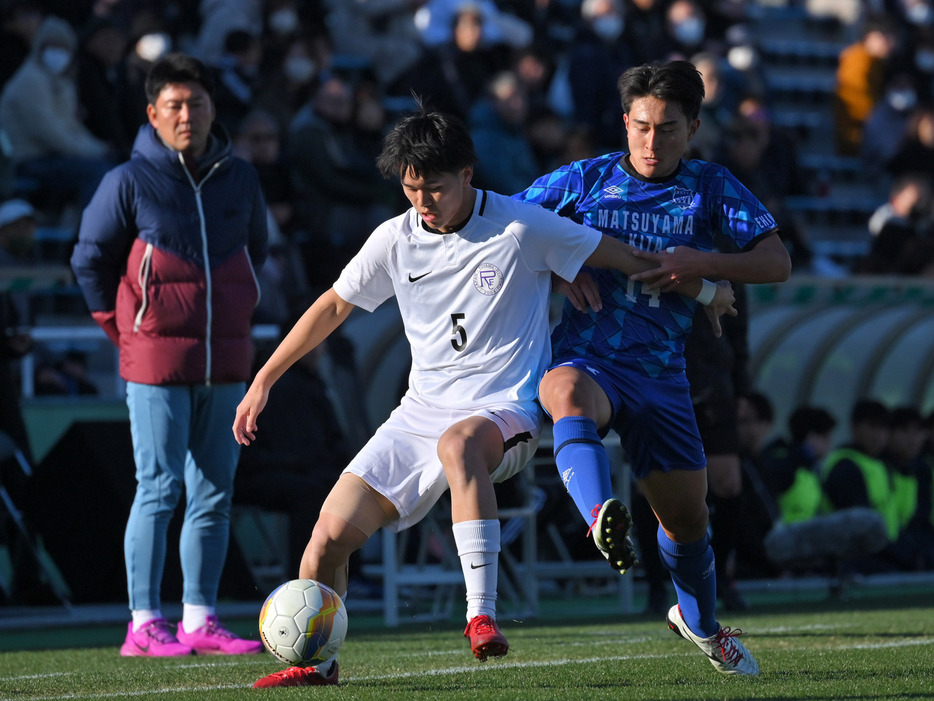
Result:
{"points": [[474, 302]]}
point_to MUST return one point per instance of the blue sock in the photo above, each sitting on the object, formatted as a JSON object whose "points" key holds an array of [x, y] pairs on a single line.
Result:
{"points": [[692, 571], [582, 463]]}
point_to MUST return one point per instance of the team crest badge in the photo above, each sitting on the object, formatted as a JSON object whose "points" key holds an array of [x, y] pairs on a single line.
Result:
{"points": [[488, 279], [683, 197]]}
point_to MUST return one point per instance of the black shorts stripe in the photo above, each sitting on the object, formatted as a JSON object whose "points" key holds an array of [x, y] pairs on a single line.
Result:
{"points": [[524, 437]]}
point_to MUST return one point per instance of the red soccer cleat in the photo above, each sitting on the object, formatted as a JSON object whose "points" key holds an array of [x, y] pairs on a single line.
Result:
{"points": [[485, 638], [298, 676]]}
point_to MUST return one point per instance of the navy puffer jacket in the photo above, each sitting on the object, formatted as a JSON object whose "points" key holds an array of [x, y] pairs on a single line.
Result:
{"points": [[167, 262]]}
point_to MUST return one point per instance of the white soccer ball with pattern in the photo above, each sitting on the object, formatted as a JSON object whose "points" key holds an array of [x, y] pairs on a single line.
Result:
{"points": [[303, 622]]}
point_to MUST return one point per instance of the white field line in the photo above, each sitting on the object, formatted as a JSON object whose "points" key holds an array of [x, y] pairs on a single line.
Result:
{"points": [[462, 669]]}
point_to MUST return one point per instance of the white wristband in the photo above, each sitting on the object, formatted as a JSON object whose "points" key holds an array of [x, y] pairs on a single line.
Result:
{"points": [[707, 292]]}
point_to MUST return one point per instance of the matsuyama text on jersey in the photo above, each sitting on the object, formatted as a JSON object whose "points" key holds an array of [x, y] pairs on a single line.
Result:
{"points": [[699, 202], [474, 302]]}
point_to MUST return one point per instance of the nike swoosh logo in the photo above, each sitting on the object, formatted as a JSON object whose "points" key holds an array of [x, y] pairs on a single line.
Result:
{"points": [[416, 279], [477, 567]]}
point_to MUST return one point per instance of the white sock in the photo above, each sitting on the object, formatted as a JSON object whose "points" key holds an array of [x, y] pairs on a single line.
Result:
{"points": [[324, 669], [143, 616], [195, 616], [478, 549]]}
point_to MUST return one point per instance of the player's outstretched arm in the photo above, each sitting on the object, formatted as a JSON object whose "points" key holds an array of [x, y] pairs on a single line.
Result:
{"points": [[327, 313], [767, 261], [612, 253]]}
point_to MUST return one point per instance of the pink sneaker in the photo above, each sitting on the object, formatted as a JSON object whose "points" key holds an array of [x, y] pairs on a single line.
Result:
{"points": [[213, 639], [154, 639]]}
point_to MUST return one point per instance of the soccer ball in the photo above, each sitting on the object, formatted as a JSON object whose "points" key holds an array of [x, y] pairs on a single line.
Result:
{"points": [[303, 622]]}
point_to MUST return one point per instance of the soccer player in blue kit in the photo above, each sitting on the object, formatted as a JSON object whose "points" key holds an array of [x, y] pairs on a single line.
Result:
{"points": [[620, 364]]}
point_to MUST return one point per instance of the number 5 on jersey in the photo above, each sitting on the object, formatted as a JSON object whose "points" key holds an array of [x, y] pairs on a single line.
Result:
{"points": [[458, 333]]}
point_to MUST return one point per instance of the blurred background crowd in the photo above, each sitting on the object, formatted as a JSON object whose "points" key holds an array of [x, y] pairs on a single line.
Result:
{"points": [[834, 131], [307, 89]]}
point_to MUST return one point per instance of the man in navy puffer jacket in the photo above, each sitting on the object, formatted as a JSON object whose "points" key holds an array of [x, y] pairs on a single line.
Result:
{"points": [[167, 255]]}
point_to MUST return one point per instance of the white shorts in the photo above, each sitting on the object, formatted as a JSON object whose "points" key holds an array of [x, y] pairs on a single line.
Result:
{"points": [[401, 460]]}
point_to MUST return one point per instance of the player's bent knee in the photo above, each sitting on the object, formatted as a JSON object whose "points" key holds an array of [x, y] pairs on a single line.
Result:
{"points": [[566, 391], [687, 525], [470, 449]]}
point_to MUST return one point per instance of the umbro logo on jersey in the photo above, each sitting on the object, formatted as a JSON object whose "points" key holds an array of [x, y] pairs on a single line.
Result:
{"points": [[613, 192], [418, 277]]}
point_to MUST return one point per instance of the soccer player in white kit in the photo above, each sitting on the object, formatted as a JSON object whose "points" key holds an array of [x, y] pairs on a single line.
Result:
{"points": [[471, 271]]}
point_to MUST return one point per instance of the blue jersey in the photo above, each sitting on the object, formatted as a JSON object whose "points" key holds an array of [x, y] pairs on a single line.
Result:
{"points": [[702, 202]]}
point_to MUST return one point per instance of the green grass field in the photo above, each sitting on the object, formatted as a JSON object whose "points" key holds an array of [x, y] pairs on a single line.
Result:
{"points": [[876, 645]]}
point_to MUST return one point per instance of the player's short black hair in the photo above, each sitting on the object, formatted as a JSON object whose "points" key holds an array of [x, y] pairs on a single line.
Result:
{"points": [[426, 142], [869, 411], [905, 417], [677, 82], [761, 405], [806, 420], [177, 68]]}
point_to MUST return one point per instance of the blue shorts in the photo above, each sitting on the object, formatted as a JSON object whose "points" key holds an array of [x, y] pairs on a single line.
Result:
{"points": [[654, 417]]}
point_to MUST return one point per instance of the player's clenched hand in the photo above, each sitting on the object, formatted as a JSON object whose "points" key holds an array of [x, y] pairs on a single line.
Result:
{"points": [[679, 265], [723, 300], [582, 293], [253, 402]]}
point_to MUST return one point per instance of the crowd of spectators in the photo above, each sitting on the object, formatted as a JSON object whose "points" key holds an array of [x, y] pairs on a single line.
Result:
{"points": [[884, 116], [817, 498], [536, 82], [820, 500], [801, 472]]}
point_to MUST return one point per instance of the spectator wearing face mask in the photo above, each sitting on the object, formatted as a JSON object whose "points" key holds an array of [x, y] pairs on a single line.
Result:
{"points": [[687, 26], [39, 112], [293, 70], [595, 61], [888, 121]]}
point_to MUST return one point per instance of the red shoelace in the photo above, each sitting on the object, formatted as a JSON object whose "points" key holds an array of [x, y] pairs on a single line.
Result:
{"points": [[595, 512], [728, 651]]}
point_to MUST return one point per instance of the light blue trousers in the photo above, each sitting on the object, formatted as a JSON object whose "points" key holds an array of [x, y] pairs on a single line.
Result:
{"points": [[181, 439]]}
